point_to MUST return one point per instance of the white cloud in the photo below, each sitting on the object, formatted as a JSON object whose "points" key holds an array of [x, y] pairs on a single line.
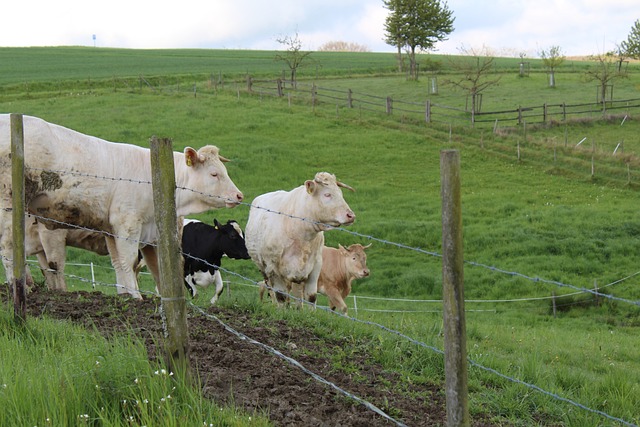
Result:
{"points": [[578, 26]]}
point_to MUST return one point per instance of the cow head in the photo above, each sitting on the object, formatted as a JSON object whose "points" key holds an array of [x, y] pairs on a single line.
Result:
{"points": [[231, 239], [355, 260], [330, 208], [207, 177]]}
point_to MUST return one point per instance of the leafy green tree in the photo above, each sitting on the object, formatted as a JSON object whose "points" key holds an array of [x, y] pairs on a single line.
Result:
{"points": [[552, 58], [631, 46], [416, 24]]}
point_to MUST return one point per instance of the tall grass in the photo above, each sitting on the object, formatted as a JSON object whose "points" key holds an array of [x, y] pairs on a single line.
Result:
{"points": [[58, 374]]}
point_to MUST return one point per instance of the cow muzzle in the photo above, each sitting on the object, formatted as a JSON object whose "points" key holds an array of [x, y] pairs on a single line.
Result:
{"points": [[234, 201]]}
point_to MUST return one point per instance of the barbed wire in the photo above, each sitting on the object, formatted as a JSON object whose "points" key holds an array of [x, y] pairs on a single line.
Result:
{"points": [[297, 364], [492, 268], [365, 236], [393, 332]]}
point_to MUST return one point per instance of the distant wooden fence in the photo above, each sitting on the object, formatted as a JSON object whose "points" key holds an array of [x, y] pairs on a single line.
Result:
{"points": [[429, 111]]}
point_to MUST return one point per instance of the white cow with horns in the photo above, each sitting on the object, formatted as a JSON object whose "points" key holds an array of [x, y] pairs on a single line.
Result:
{"points": [[74, 179], [285, 234]]}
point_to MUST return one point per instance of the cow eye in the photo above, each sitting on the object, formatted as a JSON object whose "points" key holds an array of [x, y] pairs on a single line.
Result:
{"points": [[327, 195], [214, 174]]}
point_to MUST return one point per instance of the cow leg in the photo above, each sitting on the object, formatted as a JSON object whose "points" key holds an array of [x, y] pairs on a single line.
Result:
{"points": [[124, 255], [6, 243], [150, 256], [310, 289], [49, 275], [217, 277], [279, 291], [296, 289], [54, 244], [190, 284], [335, 299]]}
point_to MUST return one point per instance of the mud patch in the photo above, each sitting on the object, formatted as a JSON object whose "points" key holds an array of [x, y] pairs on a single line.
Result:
{"points": [[51, 181], [236, 372]]}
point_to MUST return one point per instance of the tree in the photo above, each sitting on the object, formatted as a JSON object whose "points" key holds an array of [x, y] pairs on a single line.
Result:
{"points": [[293, 56], [416, 24], [631, 46], [342, 46], [605, 71], [552, 58], [474, 67]]}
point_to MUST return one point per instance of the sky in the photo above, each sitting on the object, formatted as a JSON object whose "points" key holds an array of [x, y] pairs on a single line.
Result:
{"points": [[506, 27]]}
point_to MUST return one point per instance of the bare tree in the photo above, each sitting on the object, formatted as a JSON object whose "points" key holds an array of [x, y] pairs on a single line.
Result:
{"points": [[552, 58], [474, 68], [294, 56], [605, 71]]}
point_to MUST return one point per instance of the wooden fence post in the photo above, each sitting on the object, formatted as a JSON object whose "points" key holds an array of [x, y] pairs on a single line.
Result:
{"points": [[18, 209], [350, 98], [280, 91], [389, 105], [455, 335], [427, 113], [313, 96], [170, 262]]}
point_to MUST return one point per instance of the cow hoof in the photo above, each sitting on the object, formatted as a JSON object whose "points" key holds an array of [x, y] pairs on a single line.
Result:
{"points": [[131, 295]]}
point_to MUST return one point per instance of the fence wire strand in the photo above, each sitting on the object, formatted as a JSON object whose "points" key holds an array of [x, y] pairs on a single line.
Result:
{"points": [[403, 246]]}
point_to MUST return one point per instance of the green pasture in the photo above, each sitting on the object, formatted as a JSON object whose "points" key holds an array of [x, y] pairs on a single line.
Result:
{"points": [[542, 216]]}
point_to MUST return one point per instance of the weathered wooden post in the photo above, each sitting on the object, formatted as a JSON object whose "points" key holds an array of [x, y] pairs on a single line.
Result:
{"points": [[174, 305], [389, 105], [350, 98], [17, 200], [455, 335], [427, 113]]}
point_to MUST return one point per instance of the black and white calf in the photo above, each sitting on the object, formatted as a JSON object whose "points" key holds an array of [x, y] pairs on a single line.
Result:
{"points": [[203, 246]]}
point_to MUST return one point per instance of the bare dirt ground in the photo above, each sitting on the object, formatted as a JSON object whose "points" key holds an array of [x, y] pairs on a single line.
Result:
{"points": [[235, 371]]}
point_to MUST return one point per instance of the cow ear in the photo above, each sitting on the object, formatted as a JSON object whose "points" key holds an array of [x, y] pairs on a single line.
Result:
{"points": [[216, 223], [311, 185], [192, 157]]}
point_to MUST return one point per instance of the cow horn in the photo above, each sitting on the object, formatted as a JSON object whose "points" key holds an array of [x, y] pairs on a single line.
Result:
{"points": [[343, 185], [368, 246], [223, 159]]}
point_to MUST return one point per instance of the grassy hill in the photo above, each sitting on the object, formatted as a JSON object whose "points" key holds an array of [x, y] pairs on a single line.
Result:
{"points": [[541, 216]]}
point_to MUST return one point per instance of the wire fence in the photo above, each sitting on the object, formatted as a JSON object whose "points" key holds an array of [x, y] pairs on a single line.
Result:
{"points": [[577, 289], [431, 112]]}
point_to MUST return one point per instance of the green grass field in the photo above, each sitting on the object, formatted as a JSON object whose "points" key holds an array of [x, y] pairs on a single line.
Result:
{"points": [[545, 215]]}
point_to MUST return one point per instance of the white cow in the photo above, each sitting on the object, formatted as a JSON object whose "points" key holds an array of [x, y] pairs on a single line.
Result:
{"points": [[284, 234], [82, 180]]}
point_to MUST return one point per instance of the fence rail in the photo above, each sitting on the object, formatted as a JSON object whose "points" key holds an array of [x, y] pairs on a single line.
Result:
{"points": [[429, 111]]}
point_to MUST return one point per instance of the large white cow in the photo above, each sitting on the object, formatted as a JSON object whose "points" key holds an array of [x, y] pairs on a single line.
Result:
{"points": [[86, 181], [284, 234]]}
